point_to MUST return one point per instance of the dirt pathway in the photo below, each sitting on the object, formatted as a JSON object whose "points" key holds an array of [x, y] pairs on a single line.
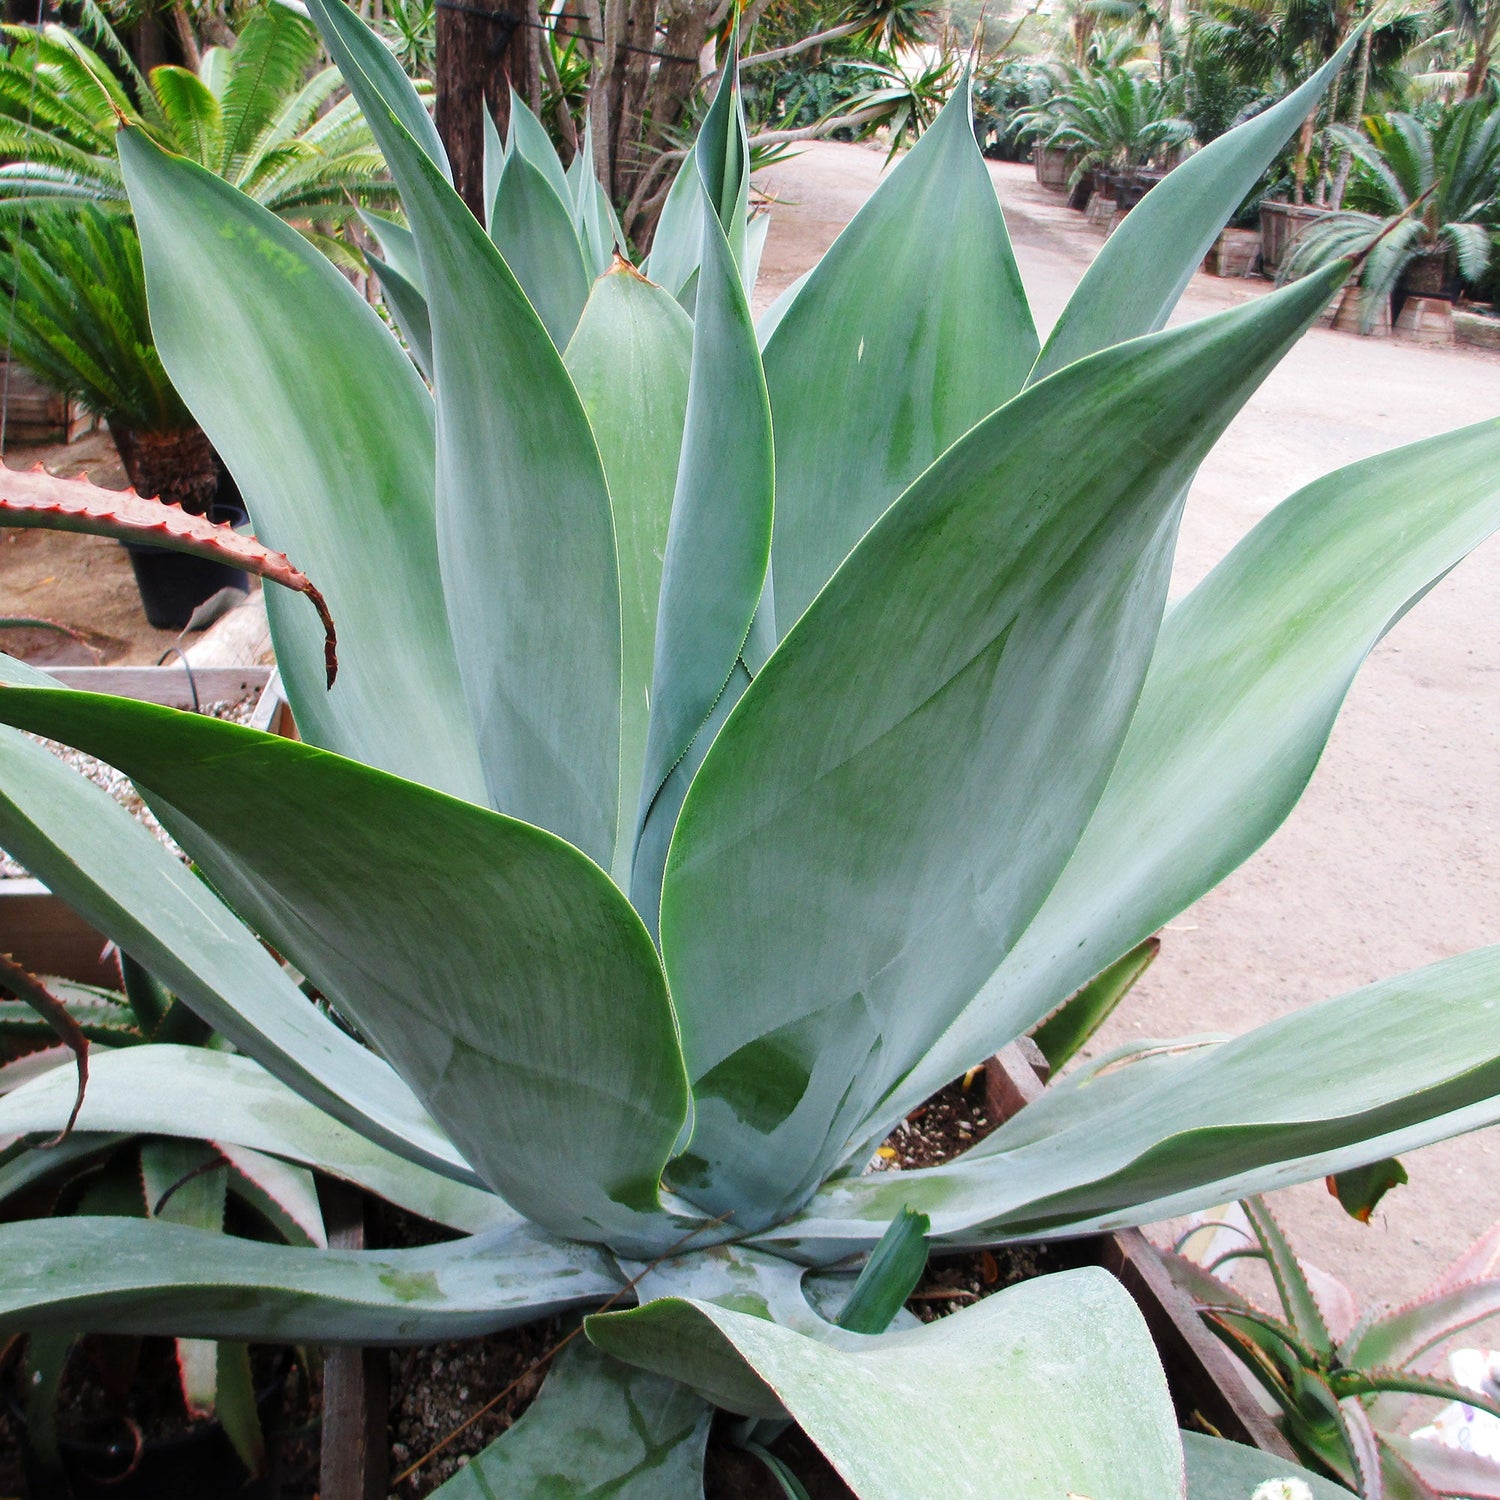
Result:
{"points": [[1392, 859]]}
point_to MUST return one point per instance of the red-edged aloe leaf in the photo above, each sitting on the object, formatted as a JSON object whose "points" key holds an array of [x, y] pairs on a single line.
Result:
{"points": [[42, 500], [1444, 1470], [1480, 1260], [283, 1194], [1292, 1286], [1347, 1383], [1006, 604], [1206, 1290], [539, 1033], [1080, 1016], [114, 1275], [1402, 1336], [26, 986]]}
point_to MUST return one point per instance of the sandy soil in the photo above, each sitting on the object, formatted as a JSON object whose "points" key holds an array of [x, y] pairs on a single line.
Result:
{"points": [[1392, 860]]}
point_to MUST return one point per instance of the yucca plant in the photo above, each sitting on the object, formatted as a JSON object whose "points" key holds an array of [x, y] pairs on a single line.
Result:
{"points": [[1345, 1378], [1433, 189], [665, 849]]}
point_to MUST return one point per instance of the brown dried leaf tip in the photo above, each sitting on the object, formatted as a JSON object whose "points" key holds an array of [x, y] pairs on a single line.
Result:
{"points": [[27, 987]]}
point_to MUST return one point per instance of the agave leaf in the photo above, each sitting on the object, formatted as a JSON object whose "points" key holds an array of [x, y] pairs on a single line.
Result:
{"points": [[38, 499], [1007, 577], [532, 228], [1315, 1091], [629, 360], [1040, 1383], [597, 1428], [230, 284], [24, 1167], [912, 328], [496, 155], [399, 246], [358, 51], [112, 1275], [1247, 680], [1132, 285], [1292, 1285], [1221, 1470], [72, 835], [197, 1093], [235, 1405], [889, 1276], [539, 1033], [677, 245], [518, 479], [719, 539], [529, 140], [408, 307]]}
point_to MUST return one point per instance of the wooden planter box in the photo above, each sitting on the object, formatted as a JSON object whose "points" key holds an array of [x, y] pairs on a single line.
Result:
{"points": [[1280, 224], [1236, 252], [1053, 166], [35, 413]]}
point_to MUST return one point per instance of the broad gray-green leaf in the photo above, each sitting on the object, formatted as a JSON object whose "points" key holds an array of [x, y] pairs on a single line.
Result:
{"points": [[912, 328], [1053, 1384], [528, 138], [112, 1275], [398, 245], [1132, 285], [328, 431], [1314, 1092], [92, 853], [534, 231], [1220, 1470], [197, 1093], [408, 307], [629, 360], [357, 50], [597, 1428], [976, 660], [538, 1032], [1248, 678], [677, 245], [525, 536], [719, 540]]}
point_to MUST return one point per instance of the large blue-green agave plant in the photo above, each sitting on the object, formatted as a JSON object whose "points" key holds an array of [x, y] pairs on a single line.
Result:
{"points": [[666, 845]]}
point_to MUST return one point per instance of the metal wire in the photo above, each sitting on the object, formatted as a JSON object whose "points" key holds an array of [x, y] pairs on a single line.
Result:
{"points": [[502, 18]]}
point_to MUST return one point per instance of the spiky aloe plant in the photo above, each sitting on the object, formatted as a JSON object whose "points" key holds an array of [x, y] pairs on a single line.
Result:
{"points": [[666, 847]]}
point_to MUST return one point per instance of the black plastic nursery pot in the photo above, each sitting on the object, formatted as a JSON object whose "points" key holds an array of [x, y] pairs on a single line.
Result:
{"points": [[173, 584]]}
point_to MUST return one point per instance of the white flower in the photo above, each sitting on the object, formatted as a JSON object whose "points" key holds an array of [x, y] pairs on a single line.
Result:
{"points": [[1282, 1489]]}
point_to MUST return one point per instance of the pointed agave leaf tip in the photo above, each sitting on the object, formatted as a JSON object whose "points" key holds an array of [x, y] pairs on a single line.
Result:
{"points": [[40, 499], [620, 266], [26, 986]]}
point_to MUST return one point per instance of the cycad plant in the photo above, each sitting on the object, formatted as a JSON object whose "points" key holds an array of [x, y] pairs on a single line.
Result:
{"points": [[257, 114], [665, 847], [1111, 119], [1429, 190], [75, 292]]}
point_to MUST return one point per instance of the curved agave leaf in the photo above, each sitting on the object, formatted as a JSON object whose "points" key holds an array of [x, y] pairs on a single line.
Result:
{"points": [[529, 140], [221, 1097], [597, 1428], [533, 229], [1248, 678], [539, 1032], [358, 52], [719, 539], [1053, 1383], [912, 328], [1132, 285], [408, 307], [230, 284], [629, 361], [677, 245], [520, 486], [977, 658], [1310, 1093], [113, 1275], [1220, 1470], [72, 835]]}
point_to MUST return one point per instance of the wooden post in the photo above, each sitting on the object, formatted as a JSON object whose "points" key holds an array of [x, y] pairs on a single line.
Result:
{"points": [[356, 1384], [484, 48]]}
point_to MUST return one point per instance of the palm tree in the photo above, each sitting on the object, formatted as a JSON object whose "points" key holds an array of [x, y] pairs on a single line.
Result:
{"points": [[1433, 189], [255, 114]]}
